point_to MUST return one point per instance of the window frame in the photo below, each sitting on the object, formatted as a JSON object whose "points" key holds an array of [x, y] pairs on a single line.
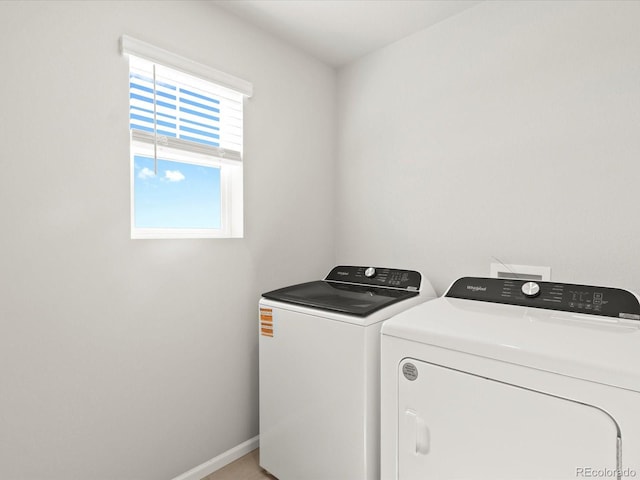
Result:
{"points": [[151, 145]]}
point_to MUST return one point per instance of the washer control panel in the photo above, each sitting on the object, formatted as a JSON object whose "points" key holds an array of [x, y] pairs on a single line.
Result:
{"points": [[378, 276], [568, 297]]}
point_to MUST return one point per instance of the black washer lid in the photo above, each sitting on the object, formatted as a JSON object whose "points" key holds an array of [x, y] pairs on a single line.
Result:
{"points": [[360, 300]]}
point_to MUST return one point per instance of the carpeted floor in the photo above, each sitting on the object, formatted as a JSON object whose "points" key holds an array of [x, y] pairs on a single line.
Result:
{"points": [[245, 468]]}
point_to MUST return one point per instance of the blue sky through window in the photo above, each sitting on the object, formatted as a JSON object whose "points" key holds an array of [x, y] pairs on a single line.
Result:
{"points": [[181, 195]]}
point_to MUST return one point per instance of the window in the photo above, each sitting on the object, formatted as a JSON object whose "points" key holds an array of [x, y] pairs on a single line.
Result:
{"points": [[186, 144]]}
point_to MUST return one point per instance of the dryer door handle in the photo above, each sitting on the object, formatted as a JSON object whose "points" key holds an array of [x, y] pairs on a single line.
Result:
{"points": [[419, 437]]}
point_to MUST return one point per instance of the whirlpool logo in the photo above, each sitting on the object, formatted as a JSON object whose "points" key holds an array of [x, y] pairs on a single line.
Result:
{"points": [[476, 288]]}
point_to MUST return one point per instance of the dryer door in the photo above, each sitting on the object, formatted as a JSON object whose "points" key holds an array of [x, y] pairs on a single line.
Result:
{"points": [[455, 425]]}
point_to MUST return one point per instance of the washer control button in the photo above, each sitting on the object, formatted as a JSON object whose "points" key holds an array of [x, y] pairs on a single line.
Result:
{"points": [[370, 272], [531, 289]]}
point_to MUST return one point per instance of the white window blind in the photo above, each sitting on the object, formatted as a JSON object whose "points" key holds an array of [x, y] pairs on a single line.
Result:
{"points": [[181, 111], [138, 48]]}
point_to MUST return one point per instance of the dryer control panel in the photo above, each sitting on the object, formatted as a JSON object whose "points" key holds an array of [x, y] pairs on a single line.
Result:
{"points": [[567, 297], [381, 277]]}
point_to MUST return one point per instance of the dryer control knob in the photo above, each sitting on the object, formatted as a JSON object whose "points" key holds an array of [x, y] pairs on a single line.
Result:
{"points": [[531, 289], [370, 272]]}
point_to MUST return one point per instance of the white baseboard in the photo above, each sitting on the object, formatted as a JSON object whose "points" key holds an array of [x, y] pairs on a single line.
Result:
{"points": [[225, 458]]}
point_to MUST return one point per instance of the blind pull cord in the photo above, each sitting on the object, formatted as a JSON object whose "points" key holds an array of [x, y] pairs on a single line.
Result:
{"points": [[155, 125]]}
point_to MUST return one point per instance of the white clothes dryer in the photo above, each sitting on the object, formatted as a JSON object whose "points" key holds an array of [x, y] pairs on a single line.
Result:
{"points": [[505, 379], [319, 370]]}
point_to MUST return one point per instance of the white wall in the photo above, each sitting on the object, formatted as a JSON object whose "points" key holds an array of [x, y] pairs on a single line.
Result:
{"points": [[510, 130], [123, 359]]}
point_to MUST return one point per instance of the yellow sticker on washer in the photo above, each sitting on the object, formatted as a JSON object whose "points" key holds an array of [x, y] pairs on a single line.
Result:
{"points": [[266, 322]]}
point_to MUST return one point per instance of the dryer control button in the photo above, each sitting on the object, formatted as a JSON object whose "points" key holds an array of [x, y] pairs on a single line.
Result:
{"points": [[370, 272], [531, 289]]}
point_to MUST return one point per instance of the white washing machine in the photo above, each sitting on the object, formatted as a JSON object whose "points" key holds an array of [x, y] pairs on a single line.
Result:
{"points": [[319, 366], [510, 379]]}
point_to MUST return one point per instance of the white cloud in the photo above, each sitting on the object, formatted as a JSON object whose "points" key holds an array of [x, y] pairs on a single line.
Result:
{"points": [[146, 173], [174, 175]]}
